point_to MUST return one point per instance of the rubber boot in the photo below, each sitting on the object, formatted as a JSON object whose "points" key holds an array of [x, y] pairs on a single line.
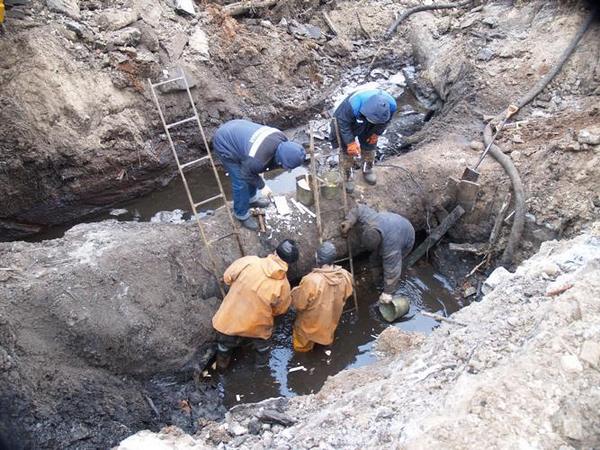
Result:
{"points": [[251, 223], [349, 181], [260, 202], [368, 174], [262, 359], [223, 360]]}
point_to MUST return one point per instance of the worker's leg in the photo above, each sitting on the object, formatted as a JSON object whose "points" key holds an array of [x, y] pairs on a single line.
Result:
{"points": [[368, 151], [301, 344], [262, 348], [225, 346], [241, 195], [345, 160]]}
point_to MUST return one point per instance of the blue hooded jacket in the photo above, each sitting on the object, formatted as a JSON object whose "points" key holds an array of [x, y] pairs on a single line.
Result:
{"points": [[255, 148], [362, 114]]}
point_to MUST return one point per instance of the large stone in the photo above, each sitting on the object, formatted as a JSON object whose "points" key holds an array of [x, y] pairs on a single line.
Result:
{"points": [[590, 136], [115, 19], [125, 37], [496, 277], [571, 364], [590, 353], [198, 43], [67, 7], [176, 45]]}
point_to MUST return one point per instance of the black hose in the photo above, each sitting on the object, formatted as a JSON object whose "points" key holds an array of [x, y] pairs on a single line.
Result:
{"points": [[420, 8], [518, 225]]}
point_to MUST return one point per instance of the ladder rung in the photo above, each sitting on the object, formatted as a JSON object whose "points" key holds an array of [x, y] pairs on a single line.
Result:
{"points": [[342, 260], [191, 163], [208, 200], [174, 124], [172, 80]]}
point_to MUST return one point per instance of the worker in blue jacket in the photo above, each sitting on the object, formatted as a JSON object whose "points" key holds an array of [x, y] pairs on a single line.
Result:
{"points": [[246, 150], [361, 118]]}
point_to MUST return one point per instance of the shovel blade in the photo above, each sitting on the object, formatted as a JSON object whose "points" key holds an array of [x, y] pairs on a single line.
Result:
{"points": [[470, 175]]}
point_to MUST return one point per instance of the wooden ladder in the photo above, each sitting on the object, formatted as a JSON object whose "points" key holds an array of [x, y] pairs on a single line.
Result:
{"points": [[182, 167]]}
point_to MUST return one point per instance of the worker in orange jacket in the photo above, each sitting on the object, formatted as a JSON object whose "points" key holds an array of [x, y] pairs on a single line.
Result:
{"points": [[259, 291], [319, 300]]}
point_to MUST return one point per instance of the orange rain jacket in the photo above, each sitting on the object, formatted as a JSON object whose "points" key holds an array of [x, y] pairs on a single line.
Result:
{"points": [[319, 300], [259, 291]]}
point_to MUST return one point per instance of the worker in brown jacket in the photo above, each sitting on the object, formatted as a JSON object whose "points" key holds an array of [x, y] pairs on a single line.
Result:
{"points": [[319, 300], [259, 290]]}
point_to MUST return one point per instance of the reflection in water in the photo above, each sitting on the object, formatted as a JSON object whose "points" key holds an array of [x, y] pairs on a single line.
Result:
{"points": [[352, 347]]}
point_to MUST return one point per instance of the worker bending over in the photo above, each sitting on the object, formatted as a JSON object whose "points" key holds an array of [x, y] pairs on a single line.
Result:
{"points": [[246, 150], [259, 291], [361, 118], [388, 236], [319, 301]]}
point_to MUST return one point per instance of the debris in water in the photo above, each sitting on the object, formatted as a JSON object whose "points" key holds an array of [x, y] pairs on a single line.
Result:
{"points": [[118, 212], [282, 205], [296, 369], [238, 397], [328, 352], [205, 374]]}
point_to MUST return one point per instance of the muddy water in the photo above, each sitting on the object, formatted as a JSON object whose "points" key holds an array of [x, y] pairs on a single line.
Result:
{"points": [[353, 345]]}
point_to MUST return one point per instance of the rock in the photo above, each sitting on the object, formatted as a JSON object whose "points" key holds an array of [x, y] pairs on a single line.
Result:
{"points": [[125, 37], [590, 136], [254, 426], [496, 277], [492, 22], [150, 12], [573, 147], [302, 31], [176, 45], [571, 364], [572, 428], [485, 54], [149, 37], [551, 269], [237, 430], [198, 43], [274, 417], [185, 7], [517, 139], [476, 145], [590, 353], [173, 72], [67, 7], [469, 292], [115, 19]]}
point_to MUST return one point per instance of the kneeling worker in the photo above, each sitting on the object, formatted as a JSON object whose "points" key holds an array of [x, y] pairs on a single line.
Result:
{"points": [[389, 237], [259, 290], [246, 150], [319, 301]]}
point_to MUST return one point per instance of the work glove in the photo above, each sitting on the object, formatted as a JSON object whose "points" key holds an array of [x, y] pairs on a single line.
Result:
{"points": [[345, 227], [372, 140], [353, 149], [267, 192], [385, 298]]}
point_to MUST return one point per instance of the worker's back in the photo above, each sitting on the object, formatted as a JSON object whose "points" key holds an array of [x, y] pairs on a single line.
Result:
{"points": [[319, 300], [259, 291]]}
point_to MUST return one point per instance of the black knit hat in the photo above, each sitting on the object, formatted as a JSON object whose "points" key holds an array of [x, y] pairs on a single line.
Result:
{"points": [[288, 251]]}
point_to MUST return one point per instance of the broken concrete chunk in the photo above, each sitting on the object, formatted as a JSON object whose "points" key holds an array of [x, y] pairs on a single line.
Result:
{"points": [[590, 136], [198, 43], [496, 277], [149, 11], [127, 37], [302, 31], [115, 19], [570, 363], [590, 353], [175, 72], [274, 417], [67, 7], [176, 45], [485, 54], [184, 6]]}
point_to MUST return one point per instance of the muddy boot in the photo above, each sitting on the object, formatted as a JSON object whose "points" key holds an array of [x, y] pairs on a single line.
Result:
{"points": [[223, 360], [250, 223], [262, 359], [349, 181], [368, 174], [260, 202]]}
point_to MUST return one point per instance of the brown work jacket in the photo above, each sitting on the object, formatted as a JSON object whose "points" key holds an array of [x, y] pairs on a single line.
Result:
{"points": [[259, 291], [319, 300]]}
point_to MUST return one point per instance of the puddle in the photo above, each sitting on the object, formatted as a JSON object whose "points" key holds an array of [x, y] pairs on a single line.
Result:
{"points": [[353, 345]]}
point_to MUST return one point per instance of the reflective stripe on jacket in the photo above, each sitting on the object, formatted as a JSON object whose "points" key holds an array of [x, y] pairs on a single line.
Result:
{"points": [[259, 291], [319, 300]]}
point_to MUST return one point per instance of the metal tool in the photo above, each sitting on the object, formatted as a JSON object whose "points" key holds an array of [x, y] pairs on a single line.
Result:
{"points": [[259, 213]]}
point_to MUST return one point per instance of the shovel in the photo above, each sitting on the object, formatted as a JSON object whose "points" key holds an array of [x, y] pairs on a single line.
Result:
{"points": [[467, 187]]}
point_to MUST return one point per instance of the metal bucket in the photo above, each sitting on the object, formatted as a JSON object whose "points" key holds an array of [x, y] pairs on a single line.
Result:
{"points": [[304, 193], [330, 190], [398, 307]]}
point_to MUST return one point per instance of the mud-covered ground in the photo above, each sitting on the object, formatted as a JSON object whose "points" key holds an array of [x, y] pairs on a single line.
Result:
{"points": [[87, 320]]}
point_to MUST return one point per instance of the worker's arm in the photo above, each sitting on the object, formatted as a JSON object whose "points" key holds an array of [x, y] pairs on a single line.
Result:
{"points": [[344, 116], [282, 302], [359, 213], [251, 170], [303, 294], [234, 270]]}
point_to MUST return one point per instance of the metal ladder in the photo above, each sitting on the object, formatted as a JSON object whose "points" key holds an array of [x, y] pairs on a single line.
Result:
{"points": [[317, 194], [181, 167]]}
